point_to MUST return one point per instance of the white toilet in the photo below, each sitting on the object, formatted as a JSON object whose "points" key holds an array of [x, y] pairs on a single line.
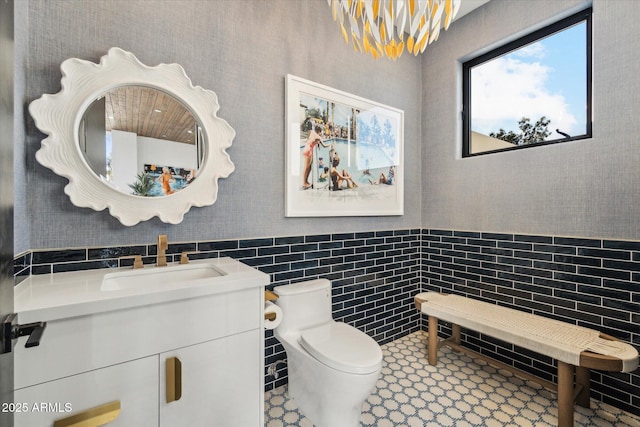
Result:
{"points": [[332, 366]]}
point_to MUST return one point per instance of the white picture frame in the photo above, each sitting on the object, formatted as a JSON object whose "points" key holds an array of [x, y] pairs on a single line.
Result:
{"points": [[352, 166]]}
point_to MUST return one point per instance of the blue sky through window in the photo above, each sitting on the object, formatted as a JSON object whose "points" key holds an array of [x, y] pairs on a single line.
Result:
{"points": [[545, 78]]}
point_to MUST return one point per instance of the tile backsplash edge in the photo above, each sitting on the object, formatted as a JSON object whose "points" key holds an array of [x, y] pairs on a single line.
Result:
{"points": [[46, 261]]}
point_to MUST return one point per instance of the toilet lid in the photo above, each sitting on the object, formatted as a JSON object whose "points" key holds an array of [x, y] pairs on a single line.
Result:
{"points": [[342, 347]]}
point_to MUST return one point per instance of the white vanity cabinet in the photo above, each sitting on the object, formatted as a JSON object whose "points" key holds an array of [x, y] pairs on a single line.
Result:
{"points": [[120, 354], [134, 384], [220, 384]]}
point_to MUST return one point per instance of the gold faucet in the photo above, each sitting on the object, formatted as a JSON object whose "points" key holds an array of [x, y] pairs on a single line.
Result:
{"points": [[163, 245], [137, 261]]}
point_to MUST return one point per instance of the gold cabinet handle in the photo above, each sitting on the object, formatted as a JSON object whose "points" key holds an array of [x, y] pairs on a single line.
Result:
{"points": [[173, 371], [94, 417]]}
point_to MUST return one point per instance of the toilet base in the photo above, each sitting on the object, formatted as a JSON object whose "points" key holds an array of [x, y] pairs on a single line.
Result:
{"points": [[327, 397], [327, 410]]}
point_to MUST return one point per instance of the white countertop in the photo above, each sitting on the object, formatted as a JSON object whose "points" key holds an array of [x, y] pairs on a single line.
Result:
{"points": [[62, 295]]}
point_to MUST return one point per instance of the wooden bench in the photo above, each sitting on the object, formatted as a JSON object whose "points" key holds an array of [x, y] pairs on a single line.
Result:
{"points": [[577, 349]]}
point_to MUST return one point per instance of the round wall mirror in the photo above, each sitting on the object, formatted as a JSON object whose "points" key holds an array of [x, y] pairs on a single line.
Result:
{"points": [[140, 141]]}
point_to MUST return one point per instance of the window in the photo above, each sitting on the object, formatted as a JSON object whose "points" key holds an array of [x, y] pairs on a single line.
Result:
{"points": [[533, 91]]}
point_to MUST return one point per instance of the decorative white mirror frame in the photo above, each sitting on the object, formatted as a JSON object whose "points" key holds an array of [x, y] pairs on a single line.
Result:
{"points": [[59, 116]]}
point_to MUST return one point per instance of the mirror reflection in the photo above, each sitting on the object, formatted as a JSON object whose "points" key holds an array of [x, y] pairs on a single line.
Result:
{"points": [[142, 141]]}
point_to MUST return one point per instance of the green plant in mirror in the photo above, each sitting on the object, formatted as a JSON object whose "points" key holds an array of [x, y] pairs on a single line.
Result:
{"points": [[143, 184]]}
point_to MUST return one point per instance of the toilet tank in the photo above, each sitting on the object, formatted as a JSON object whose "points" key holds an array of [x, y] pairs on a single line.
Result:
{"points": [[304, 304]]}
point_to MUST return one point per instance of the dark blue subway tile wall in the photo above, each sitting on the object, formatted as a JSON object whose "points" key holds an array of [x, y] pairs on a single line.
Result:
{"points": [[374, 275], [588, 282], [22, 265]]}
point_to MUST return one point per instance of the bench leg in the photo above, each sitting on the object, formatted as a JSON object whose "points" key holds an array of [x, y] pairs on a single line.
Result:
{"points": [[455, 333], [565, 394], [583, 377], [432, 351]]}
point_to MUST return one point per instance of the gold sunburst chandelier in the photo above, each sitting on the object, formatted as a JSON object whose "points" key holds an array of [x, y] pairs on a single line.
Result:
{"points": [[386, 27]]}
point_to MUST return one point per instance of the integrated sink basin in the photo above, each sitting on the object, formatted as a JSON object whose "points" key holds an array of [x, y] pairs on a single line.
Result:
{"points": [[173, 276]]}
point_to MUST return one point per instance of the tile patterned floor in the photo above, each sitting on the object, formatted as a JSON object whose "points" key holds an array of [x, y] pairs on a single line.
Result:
{"points": [[460, 392]]}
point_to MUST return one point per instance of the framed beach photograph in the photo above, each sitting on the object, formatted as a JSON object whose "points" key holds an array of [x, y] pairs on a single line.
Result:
{"points": [[344, 153]]}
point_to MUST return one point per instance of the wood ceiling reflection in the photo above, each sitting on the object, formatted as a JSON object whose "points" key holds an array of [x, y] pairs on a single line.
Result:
{"points": [[149, 112]]}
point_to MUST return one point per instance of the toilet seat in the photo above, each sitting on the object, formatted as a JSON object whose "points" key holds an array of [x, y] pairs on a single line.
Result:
{"points": [[342, 347]]}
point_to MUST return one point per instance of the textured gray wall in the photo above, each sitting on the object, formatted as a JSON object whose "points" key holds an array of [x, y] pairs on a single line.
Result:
{"points": [[242, 50], [588, 188], [21, 227]]}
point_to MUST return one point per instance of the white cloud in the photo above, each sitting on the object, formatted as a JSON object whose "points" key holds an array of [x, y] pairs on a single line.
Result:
{"points": [[534, 50], [506, 89]]}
